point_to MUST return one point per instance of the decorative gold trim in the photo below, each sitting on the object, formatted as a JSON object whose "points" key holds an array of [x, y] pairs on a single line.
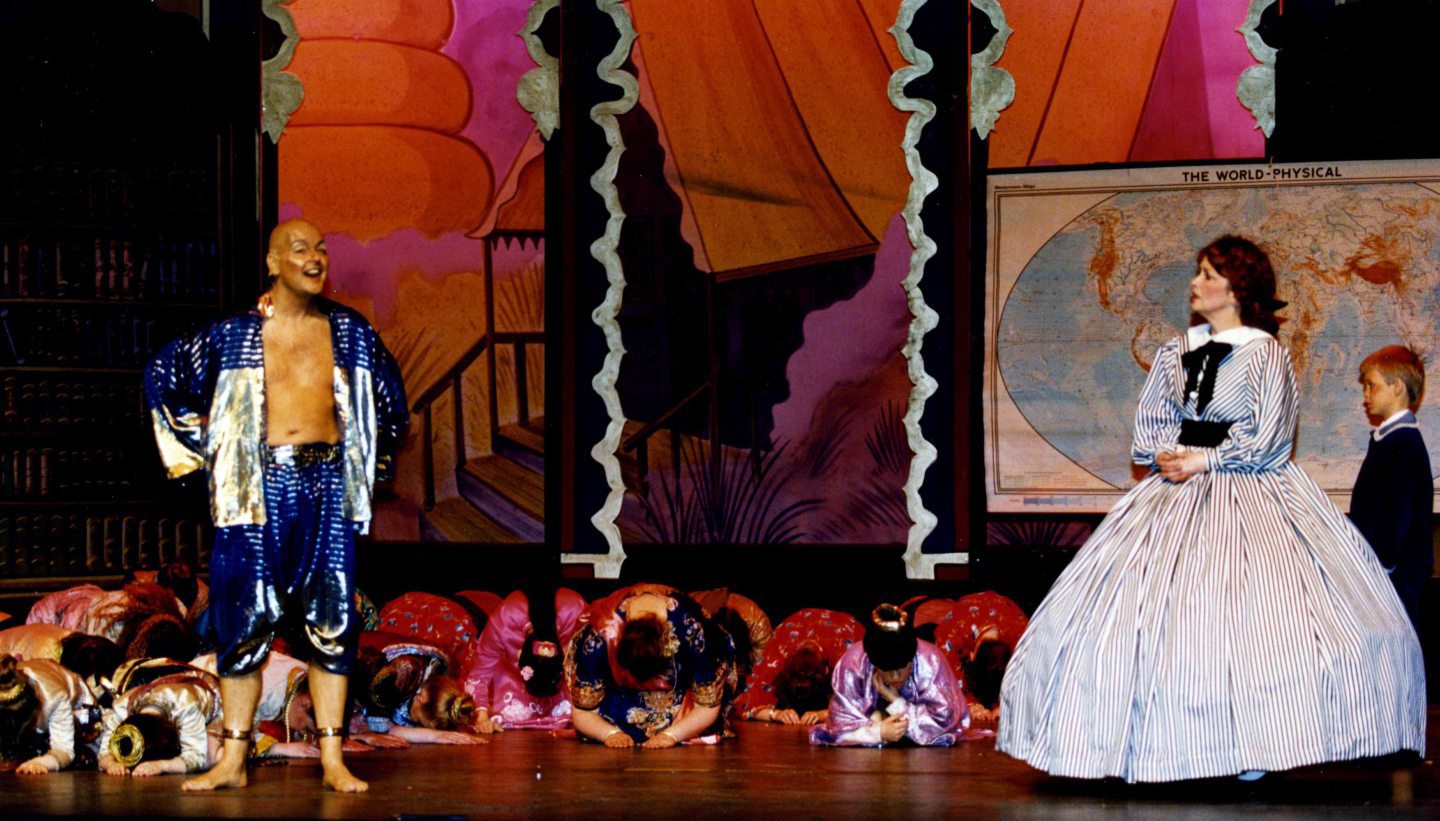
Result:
{"points": [[281, 92], [456, 711], [586, 697], [918, 565], [709, 695], [178, 459], [292, 689], [889, 618], [137, 745], [990, 632], [1256, 88], [539, 90], [604, 249], [670, 643], [991, 88], [582, 696], [13, 691]]}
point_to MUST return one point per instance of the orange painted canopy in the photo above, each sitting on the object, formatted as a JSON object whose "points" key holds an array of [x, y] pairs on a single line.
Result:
{"points": [[837, 75], [1142, 80], [882, 14], [422, 23], [776, 165], [370, 180], [364, 82]]}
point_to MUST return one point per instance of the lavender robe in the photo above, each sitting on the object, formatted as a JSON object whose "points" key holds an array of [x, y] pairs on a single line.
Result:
{"points": [[934, 703]]}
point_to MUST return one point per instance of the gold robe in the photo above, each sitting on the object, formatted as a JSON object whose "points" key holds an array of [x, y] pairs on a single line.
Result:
{"points": [[60, 692], [190, 699], [34, 641]]}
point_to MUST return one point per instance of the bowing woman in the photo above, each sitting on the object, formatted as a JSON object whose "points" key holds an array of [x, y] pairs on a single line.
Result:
{"points": [[650, 669], [517, 680], [42, 705], [791, 682], [158, 723], [978, 635]]}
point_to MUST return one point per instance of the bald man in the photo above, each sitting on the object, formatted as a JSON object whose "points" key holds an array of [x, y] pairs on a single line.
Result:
{"points": [[294, 409]]}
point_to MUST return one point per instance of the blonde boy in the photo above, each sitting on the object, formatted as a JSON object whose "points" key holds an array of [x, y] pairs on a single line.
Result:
{"points": [[1395, 490]]}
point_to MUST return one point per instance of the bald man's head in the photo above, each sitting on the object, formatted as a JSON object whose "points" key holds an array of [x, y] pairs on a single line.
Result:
{"points": [[297, 259], [281, 234]]}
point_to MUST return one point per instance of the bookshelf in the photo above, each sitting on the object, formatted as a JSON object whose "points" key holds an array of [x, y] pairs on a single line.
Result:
{"points": [[102, 262], [130, 177]]}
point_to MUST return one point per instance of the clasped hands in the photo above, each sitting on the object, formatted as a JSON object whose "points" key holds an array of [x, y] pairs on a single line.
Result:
{"points": [[1178, 467], [892, 728], [795, 717], [618, 739]]}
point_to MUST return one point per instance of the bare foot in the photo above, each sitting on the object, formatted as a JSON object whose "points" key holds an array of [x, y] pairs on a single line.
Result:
{"points": [[219, 777], [339, 778]]}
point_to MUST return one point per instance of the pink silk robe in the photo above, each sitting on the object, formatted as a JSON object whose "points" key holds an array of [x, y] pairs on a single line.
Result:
{"points": [[495, 681]]}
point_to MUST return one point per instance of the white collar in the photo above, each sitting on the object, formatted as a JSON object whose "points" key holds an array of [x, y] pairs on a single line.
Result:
{"points": [[1397, 420], [1198, 335]]}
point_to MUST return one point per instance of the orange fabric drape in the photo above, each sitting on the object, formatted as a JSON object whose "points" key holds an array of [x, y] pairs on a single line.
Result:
{"points": [[756, 193], [1082, 73]]}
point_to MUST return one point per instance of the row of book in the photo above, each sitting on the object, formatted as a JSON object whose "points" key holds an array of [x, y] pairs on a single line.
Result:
{"points": [[74, 191], [67, 474], [100, 336], [88, 267], [79, 545], [29, 404]]}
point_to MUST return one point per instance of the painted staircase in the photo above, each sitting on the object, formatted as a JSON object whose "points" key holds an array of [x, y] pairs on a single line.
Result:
{"points": [[502, 496]]}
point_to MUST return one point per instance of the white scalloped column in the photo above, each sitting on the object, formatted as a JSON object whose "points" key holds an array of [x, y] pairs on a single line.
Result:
{"points": [[605, 115], [1256, 88], [918, 565], [991, 89], [280, 91], [538, 91]]}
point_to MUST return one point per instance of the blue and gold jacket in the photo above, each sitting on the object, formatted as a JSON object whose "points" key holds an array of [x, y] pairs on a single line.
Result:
{"points": [[205, 393]]}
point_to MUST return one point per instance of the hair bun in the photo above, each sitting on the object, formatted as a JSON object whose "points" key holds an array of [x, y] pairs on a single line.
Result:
{"points": [[889, 618], [12, 681], [128, 755]]}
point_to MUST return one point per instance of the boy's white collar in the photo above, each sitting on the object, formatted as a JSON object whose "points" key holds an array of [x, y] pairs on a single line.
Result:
{"points": [[1399, 419]]}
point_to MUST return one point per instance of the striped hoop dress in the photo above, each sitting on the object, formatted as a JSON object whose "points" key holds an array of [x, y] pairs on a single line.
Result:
{"points": [[1235, 621]]}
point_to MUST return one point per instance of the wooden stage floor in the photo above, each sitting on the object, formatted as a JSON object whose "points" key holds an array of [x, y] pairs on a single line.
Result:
{"points": [[768, 772]]}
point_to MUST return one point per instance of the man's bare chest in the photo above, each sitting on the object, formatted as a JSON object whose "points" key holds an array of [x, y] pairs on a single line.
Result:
{"points": [[298, 358]]}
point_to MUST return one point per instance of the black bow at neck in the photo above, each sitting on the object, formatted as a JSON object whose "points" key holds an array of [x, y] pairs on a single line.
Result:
{"points": [[1200, 367]]}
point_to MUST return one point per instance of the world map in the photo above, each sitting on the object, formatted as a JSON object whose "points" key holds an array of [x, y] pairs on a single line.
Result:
{"points": [[1077, 331]]}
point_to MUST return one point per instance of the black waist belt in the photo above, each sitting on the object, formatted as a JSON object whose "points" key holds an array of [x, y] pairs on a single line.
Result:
{"points": [[1197, 434]]}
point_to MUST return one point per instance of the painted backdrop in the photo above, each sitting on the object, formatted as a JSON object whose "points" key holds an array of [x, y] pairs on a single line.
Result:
{"points": [[412, 155], [763, 250]]}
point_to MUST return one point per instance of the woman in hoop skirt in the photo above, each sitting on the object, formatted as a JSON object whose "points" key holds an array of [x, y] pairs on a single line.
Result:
{"points": [[1225, 618]]}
